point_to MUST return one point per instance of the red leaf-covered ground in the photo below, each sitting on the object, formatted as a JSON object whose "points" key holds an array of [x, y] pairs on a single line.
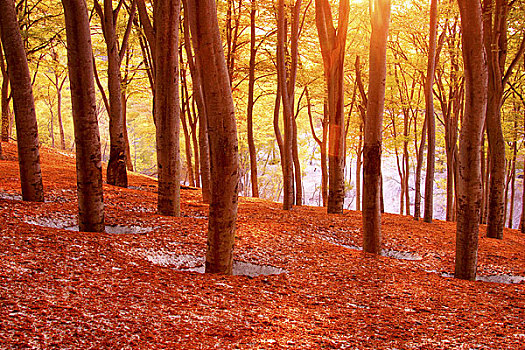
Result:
{"points": [[76, 290]]}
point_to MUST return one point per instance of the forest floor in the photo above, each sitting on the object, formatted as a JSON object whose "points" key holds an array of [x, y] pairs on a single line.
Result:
{"points": [[67, 289]]}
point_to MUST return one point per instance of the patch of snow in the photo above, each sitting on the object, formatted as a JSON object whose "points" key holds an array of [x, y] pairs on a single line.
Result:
{"points": [[68, 223], [9, 196], [503, 278], [396, 254], [187, 262]]}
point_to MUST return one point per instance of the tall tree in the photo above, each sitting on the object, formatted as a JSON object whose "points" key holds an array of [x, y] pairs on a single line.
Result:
{"points": [[429, 114], [196, 73], [495, 36], [380, 19], [222, 133], [469, 167], [116, 170], [166, 14], [23, 103], [286, 80], [249, 116], [87, 138], [4, 97], [333, 43]]}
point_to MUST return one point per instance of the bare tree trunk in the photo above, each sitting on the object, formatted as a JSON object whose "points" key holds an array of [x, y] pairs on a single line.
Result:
{"points": [[333, 43], [24, 104], [196, 74], [117, 165], [184, 113], [429, 115], [380, 19], [419, 167], [287, 92], [87, 138], [223, 138], [6, 114], [469, 179], [513, 173], [249, 117], [167, 108]]}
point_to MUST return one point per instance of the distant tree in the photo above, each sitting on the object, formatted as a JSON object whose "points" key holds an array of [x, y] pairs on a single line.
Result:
{"points": [[4, 97], [87, 139], [469, 166], [333, 43], [249, 114], [495, 36], [222, 136], [429, 114], [198, 97], [23, 103], [380, 19], [166, 14], [116, 170]]}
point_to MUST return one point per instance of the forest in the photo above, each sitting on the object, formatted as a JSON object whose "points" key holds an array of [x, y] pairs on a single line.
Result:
{"points": [[267, 134]]}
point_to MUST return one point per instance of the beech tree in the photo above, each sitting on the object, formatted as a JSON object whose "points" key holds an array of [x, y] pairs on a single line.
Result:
{"points": [[333, 43], [495, 39], [87, 138], [469, 165], [166, 15], [429, 114], [222, 133], [23, 104], [380, 19], [4, 99], [286, 75], [249, 114], [116, 170]]}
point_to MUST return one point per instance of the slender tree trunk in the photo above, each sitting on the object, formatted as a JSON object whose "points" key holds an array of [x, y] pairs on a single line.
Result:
{"points": [[187, 141], [59, 117], [332, 42], [23, 103], [124, 100], [167, 108], [419, 167], [469, 179], [87, 138], [193, 118], [296, 163], [358, 170], [429, 114], [116, 170], [196, 74], [6, 115], [495, 38], [223, 139], [513, 174], [251, 83], [286, 93], [380, 19]]}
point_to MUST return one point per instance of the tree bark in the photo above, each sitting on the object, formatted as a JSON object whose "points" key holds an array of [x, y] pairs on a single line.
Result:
{"points": [[166, 16], [287, 90], [380, 18], [429, 115], [249, 117], [222, 133], [87, 139], [469, 179], [332, 42], [495, 36], [4, 97], [23, 103], [196, 74]]}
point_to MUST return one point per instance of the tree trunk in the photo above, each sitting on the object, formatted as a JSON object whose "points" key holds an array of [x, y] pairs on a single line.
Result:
{"points": [[296, 163], [286, 96], [495, 33], [23, 103], [59, 116], [249, 117], [6, 115], [167, 108], [187, 140], [332, 42], [380, 18], [116, 170], [429, 115], [87, 139], [419, 167], [222, 136], [196, 74], [469, 179]]}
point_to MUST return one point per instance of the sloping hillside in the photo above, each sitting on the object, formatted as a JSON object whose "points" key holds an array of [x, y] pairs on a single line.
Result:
{"points": [[66, 289]]}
